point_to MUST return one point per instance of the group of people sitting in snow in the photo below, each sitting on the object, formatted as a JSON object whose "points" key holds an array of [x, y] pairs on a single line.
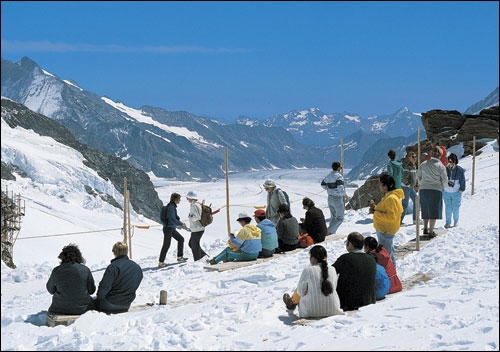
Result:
{"points": [[363, 275]]}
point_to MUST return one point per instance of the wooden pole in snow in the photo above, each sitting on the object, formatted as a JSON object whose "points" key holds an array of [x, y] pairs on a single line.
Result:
{"points": [[227, 197]]}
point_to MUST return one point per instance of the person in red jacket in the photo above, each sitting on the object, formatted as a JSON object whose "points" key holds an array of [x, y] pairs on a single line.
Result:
{"points": [[383, 258], [443, 158]]}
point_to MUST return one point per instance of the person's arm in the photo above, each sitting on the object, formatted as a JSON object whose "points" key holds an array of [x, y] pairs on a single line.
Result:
{"points": [[106, 282], [51, 283]]}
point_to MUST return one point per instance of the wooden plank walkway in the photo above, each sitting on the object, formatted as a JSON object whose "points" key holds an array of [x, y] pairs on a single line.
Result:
{"points": [[236, 265]]}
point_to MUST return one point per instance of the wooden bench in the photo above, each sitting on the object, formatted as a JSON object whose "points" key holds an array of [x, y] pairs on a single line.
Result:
{"points": [[60, 319], [236, 265]]}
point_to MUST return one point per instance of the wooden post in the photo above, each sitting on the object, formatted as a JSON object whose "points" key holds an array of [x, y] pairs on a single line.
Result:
{"points": [[342, 155], [227, 197], [129, 226], [473, 164], [125, 227], [163, 297], [417, 198]]}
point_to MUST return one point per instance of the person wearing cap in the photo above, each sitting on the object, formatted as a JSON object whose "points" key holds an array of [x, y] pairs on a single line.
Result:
{"points": [[334, 185], [197, 229], [275, 197], [243, 247], [269, 236], [314, 223]]}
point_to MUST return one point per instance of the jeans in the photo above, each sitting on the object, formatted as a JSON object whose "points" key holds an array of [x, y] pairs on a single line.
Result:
{"points": [[228, 255], [168, 233], [452, 203], [336, 205], [387, 240], [409, 194]]}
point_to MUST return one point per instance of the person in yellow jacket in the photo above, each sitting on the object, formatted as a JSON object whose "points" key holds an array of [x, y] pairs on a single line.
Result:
{"points": [[243, 247], [387, 213]]}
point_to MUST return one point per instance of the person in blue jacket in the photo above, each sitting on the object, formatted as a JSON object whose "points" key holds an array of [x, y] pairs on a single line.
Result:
{"points": [[269, 236], [71, 284], [452, 193], [382, 281], [171, 222], [119, 283]]}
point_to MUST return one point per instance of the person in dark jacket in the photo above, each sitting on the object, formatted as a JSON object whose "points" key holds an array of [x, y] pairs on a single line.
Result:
{"points": [[171, 222], [287, 229], [357, 272], [314, 223], [119, 283], [71, 284]]}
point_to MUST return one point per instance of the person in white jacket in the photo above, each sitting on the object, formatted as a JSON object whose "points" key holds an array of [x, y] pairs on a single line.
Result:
{"points": [[316, 293], [334, 185], [197, 229]]}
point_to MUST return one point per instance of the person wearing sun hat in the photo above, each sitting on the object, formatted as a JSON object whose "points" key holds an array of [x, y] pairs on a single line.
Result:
{"points": [[269, 236], [245, 246], [197, 229], [275, 197]]}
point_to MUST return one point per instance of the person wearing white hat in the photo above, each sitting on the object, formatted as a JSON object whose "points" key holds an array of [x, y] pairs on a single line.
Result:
{"points": [[245, 246], [275, 198], [197, 229]]}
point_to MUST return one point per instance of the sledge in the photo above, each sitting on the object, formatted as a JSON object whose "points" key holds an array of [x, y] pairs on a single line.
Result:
{"points": [[64, 319], [60, 319], [307, 321], [224, 266]]}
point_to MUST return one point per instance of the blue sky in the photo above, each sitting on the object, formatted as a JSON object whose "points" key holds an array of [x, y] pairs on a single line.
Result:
{"points": [[259, 59]]}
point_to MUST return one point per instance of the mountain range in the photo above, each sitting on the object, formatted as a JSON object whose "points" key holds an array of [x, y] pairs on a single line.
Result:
{"points": [[180, 145], [120, 141]]}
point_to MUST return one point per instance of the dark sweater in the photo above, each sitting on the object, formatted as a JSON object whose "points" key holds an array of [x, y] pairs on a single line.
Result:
{"points": [[315, 224], [71, 285], [356, 284]]}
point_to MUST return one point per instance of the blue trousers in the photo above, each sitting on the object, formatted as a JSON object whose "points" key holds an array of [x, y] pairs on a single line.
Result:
{"points": [[452, 203], [336, 205], [409, 194], [387, 240], [228, 255]]}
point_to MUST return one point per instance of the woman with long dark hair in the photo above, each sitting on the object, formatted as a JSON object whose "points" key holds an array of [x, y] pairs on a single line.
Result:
{"points": [[316, 293]]}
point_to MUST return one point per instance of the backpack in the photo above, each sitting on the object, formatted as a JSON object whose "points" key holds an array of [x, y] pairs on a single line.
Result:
{"points": [[286, 197], [305, 240], [206, 214]]}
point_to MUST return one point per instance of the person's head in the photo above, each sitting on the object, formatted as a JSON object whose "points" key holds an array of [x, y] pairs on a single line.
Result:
{"points": [[317, 255], [259, 215], [269, 185], [391, 154], [175, 198], [354, 241], [336, 166], [387, 183], [318, 252], [411, 157], [436, 152], [120, 248], [307, 203], [71, 254], [284, 210], [191, 196], [370, 244], [243, 219], [453, 159]]}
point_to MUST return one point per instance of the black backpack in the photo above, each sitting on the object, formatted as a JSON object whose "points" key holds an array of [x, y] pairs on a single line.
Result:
{"points": [[206, 214]]}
